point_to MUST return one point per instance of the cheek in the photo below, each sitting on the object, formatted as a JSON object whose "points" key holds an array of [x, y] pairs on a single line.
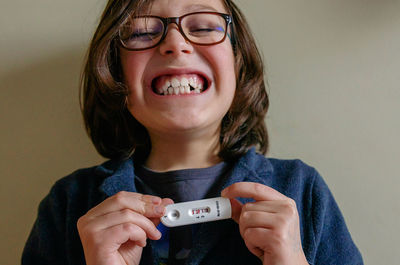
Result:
{"points": [[133, 66], [224, 66]]}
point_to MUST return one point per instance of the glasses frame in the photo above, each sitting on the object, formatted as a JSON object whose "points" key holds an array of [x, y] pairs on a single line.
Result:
{"points": [[177, 20]]}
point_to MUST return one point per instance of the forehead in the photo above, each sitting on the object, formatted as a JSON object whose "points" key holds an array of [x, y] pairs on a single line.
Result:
{"points": [[180, 7]]}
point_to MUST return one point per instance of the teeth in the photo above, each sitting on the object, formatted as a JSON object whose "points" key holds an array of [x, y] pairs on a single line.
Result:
{"points": [[184, 82], [175, 82], [183, 85], [166, 85]]}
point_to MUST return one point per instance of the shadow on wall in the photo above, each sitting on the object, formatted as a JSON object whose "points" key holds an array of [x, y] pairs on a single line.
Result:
{"points": [[42, 140]]}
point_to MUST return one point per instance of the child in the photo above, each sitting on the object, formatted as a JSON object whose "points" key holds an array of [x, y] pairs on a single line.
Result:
{"points": [[173, 94]]}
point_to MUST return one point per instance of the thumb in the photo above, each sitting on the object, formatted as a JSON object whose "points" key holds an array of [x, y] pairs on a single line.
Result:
{"points": [[164, 202], [236, 207]]}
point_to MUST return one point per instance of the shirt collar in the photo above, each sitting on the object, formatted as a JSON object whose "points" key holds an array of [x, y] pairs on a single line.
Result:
{"points": [[119, 175], [252, 167]]}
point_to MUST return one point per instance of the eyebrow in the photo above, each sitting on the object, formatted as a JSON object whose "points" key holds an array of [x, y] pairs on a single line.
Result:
{"points": [[199, 7], [189, 9]]}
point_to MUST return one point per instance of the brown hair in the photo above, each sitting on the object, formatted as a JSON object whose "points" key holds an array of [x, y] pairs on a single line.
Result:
{"points": [[116, 134]]}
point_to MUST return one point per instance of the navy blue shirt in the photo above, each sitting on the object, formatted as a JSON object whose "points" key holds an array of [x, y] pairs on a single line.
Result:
{"points": [[325, 238], [180, 185]]}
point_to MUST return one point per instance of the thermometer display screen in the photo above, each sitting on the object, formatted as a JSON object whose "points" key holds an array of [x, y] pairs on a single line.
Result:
{"points": [[200, 211]]}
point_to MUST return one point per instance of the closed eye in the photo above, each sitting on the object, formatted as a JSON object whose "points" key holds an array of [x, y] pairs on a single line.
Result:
{"points": [[206, 30], [144, 36]]}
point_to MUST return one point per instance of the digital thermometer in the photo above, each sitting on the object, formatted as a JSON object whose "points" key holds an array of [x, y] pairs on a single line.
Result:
{"points": [[194, 212]]}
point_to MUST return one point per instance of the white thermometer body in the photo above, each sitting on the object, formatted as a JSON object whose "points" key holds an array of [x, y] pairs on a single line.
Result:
{"points": [[194, 212]]}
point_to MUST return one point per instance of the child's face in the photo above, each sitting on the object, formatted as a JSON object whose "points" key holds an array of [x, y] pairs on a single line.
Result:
{"points": [[147, 71]]}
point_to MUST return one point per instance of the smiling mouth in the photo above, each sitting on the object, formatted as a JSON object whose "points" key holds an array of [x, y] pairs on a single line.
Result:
{"points": [[179, 84]]}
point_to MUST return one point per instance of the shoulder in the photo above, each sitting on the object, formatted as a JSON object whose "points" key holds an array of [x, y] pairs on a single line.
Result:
{"points": [[322, 225], [87, 177], [81, 187], [278, 172], [291, 177]]}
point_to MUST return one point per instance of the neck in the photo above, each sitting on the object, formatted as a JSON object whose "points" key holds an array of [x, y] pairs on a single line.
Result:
{"points": [[174, 152]]}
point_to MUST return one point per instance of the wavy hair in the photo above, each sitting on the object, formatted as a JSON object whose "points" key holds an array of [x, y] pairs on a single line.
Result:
{"points": [[116, 134]]}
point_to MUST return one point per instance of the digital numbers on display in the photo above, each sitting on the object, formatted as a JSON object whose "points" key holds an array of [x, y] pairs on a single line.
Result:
{"points": [[200, 212]]}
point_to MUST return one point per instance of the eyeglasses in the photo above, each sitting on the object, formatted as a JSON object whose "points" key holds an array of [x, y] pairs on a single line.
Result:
{"points": [[201, 28]]}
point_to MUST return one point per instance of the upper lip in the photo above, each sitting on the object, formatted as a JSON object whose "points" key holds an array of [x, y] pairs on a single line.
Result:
{"points": [[178, 71]]}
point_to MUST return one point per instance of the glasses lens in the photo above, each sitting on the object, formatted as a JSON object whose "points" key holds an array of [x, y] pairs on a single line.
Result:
{"points": [[204, 28], [141, 32]]}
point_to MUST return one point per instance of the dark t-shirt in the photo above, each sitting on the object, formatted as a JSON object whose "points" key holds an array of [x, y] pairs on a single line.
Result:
{"points": [[179, 185]]}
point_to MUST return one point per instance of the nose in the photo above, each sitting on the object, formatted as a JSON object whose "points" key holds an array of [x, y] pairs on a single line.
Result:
{"points": [[174, 42]]}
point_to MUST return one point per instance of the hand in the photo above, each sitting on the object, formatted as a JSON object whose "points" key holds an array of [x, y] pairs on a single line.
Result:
{"points": [[115, 231], [269, 226]]}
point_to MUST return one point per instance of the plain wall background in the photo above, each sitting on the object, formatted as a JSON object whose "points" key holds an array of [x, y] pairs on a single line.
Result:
{"points": [[333, 69]]}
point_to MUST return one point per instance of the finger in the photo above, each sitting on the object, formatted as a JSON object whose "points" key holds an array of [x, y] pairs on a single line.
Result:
{"points": [[255, 219], [253, 237], [117, 235], [281, 224], [143, 204], [257, 191], [268, 206], [126, 216], [236, 207], [166, 201]]}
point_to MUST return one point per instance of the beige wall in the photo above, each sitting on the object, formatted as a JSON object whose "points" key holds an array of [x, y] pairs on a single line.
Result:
{"points": [[333, 68]]}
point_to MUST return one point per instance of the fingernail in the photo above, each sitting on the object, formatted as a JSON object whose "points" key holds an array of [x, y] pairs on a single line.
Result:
{"points": [[156, 200], [158, 234], [159, 210]]}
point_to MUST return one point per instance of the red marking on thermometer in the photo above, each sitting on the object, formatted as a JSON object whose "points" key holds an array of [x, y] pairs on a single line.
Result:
{"points": [[200, 211]]}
